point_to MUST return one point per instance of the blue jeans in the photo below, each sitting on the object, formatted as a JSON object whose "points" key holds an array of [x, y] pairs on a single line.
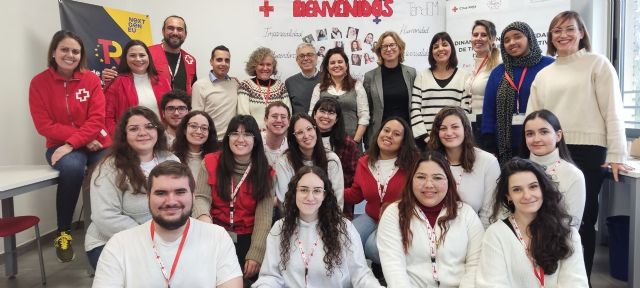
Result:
{"points": [[71, 167], [367, 228], [94, 256]]}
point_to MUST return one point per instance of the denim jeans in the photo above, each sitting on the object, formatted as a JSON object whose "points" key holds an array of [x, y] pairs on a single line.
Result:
{"points": [[368, 228], [71, 167], [94, 256]]}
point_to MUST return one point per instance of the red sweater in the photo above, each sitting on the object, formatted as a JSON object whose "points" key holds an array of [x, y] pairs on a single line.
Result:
{"points": [[162, 65], [70, 111], [365, 188], [244, 206], [121, 95]]}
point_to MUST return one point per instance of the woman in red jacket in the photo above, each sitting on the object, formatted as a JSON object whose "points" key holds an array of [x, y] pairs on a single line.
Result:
{"points": [[380, 177], [67, 107], [137, 84]]}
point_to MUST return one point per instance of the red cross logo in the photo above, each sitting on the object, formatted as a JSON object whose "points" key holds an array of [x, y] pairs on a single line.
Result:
{"points": [[82, 95], [265, 9], [455, 9]]}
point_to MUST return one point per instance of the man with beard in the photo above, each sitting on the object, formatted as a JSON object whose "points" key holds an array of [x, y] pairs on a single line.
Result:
{"points": [[171, 62], [175, 104], [218, 95], [276, 120], [172, 249], [300, 86]]}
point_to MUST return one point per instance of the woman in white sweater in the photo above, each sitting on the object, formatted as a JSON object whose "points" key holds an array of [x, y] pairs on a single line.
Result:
{"points": [[440, 85], [535, 246], [583, 90], [313, 245], [118, 194], [430, 238], [306, 149], [196, 136], [543, 143], [474, 170]]}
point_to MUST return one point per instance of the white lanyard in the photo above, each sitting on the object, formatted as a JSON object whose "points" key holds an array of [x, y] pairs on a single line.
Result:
{"points": [[537, 270], [383, 185], [305, 258], [234, 193], [431, 233], [175, 71]]}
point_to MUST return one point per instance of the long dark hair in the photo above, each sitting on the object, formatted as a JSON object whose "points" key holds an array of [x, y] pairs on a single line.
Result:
{"points": [[551, 118], [348, 82], [181, 145], [331, 225], [337, 133], [259, 177], [124, 65], [125, 159], [550, 232], [408, 202], [294, 155], [408, 151], [453, 59], [468, 156]]}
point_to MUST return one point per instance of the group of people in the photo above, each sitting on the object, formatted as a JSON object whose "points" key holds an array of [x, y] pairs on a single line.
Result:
{"points": [[278, 166]]}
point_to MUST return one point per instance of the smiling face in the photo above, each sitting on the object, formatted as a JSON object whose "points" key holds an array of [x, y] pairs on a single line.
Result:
{"points": [[174, 111], [309, 196], [67, 56], [305, 135], [137, 59], [525, 192], [142, 135], [540, 136], [264, 69], [307, 59], [480, 41], [566, 37], [451, 132], [220, 63], [390, 138], [429, 184], [391, 53], [241, 144], [197, 130], [325, 119], [516, 43], [174, 32], [277, 122], [337, 66], [170, 201], [441, 51]]}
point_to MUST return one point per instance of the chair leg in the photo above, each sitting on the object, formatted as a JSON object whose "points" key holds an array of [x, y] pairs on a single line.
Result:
{"points": [[42, 273]]}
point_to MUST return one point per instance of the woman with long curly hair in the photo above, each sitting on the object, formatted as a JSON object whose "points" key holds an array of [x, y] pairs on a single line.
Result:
{"points": [[313, 245], [430, 238], [118, 194], [234, 190], [195, 137], [534, 246]]}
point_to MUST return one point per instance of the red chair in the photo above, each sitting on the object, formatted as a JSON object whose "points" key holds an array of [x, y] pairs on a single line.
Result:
{"points": [[12, 225]]}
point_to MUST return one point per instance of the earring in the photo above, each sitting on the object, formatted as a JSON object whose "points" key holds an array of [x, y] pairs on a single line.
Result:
{"points": [[509, 202]]}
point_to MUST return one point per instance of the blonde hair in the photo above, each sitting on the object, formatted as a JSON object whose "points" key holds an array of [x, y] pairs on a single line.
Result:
{"points": [[378, 47], [256, 57]]}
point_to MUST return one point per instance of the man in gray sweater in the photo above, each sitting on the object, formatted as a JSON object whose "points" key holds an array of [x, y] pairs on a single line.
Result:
{"points": [[300, 86]]}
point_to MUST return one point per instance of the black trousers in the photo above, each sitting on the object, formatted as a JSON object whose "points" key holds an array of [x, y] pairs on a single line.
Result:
{"points": [[589, 159]]}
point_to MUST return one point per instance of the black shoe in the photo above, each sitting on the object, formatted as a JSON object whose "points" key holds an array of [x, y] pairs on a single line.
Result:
{"points": [[377, 271]]}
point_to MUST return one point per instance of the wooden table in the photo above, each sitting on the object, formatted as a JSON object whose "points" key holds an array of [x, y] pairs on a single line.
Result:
{"points": [[16, 180]]}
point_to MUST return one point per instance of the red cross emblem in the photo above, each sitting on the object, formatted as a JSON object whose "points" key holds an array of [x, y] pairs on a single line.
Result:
{"points": [[265, 8], [82, 95]]}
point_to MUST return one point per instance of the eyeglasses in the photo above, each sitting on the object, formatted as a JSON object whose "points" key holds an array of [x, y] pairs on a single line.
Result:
{"points": [[244, 135], [389, 46], [180, 109], [300, 133], [134, 129], [308, 55], [195, 127], [571, 30], [315, 191], [327, 113]]}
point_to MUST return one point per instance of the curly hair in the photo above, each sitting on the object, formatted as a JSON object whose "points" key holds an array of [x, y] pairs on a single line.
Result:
{"points": [[550, 231], [256, 57], [326, 81], [331, 225], [181, 144], [408, 201], [408, 150], [126, 160], [468, 156], [294, 155]]}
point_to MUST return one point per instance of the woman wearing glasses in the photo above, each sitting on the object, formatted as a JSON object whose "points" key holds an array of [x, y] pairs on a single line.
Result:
{"points": [[118, 193], [195, 137], [137, 84], [313, 245], [306, 149], [389, 85], [234, 190], [592, 90]]}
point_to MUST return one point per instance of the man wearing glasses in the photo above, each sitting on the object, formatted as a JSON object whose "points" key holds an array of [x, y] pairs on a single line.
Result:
{"points": [[300, 86], [175, 105]]}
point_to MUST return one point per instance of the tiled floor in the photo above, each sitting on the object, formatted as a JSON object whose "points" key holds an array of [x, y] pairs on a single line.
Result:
{"points": [[74, 274]]}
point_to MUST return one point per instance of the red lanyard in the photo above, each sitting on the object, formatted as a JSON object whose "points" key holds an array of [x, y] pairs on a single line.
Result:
{"points": [[431, 233], [268, 95], [305, 258], [484, 61], [383, 185], [537, 270], [167, 278], [234, 193], [513, 85]]}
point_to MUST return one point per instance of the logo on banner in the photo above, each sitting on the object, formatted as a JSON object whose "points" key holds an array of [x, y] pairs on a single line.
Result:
{"points": [[494, 4], [343, 8], [266, 8], [424, 8], [107, 53], [82, 95], [188, 59]]}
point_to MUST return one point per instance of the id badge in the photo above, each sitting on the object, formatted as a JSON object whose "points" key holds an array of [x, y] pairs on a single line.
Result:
{"points": [[234, 236], [518, 119]]}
